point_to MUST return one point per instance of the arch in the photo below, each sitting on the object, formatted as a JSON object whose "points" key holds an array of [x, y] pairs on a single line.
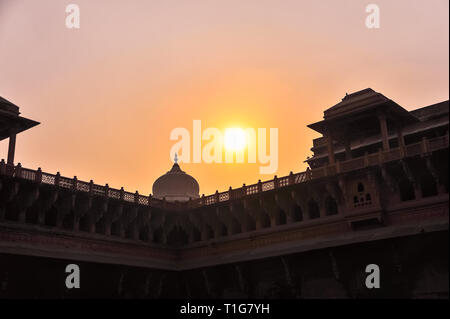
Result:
{"points": [[222, 230], [428, 185], [50, 217], [251, 224], [84, 222], [235, 227], [196, 234], [158, 236], [177, 236], [282, 219], [313, 209], [360, 187], [361, 197], [331, 206], [31, 216], [209, 232], [115, 228], [144, 234], [264, 220], [100, 226], [129, 233], [406, 189], [297, 213]]}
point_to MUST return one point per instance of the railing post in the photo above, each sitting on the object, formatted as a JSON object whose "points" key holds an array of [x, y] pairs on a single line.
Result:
{"points": [[106, 190], [308, 174], [275, 181], [424, 145], [122, 193], [230, 193], [2, 166], [402, 151], [216, 196], [136, 197], [244, 190], [149, 199], [57, 178], [380, 156], [91, 187], [259, 186], [18, 170], [291, 179], [74, 183], [38, 176]]}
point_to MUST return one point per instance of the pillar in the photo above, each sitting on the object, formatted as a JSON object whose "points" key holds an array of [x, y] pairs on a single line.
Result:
{"points": [[401, 140], [330, 148], [12, 147], [348, 150], [384, 131]]}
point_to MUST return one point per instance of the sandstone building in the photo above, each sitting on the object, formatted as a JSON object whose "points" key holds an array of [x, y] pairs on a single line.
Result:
{"points": [[375, 192]]}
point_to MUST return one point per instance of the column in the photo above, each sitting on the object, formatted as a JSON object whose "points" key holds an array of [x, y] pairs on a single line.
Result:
{"points": [[12, 147], [384, 131], [401, 140], [348, 150], [330, 148]]}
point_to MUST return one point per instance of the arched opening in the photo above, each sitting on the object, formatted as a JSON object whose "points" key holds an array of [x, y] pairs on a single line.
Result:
{"points": [[362, 197], [50, 217], [158, 236], [209, 232], [235, 227], [177, 236], [428, 185], [360, 188], [129, 233], [282, 219], [31, 216], [115, 228], [100, 226], [85, 222], [264, 220], [406, 189], [68, 221], [297, 214], [313, 209], [222, 230], [331, 206], [251, 225], [144, 234]]}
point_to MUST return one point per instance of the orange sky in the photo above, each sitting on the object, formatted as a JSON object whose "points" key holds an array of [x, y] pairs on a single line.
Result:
{"points": [[108, 94]]}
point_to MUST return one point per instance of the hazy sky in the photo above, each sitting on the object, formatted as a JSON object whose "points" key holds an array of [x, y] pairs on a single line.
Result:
{"points": [[108, 94]]}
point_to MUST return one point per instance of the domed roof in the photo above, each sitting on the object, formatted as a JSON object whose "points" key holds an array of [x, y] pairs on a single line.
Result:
{"points": [[176, 185]]}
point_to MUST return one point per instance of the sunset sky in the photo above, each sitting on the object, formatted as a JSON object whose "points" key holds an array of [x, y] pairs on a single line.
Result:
{"points": [[109, 94]]}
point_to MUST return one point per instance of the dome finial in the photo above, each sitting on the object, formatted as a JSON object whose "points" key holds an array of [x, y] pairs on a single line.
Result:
{"points": [[176, 158]]}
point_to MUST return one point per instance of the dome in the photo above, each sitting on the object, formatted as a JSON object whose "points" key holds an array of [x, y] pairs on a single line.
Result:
{"points": [[176, 185]]}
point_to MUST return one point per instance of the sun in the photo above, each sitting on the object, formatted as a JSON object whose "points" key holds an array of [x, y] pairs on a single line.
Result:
{"points": [[235, 139]]}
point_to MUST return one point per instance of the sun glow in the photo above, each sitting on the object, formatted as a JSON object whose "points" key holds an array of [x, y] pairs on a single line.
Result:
{"points": [[235, 139]]}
